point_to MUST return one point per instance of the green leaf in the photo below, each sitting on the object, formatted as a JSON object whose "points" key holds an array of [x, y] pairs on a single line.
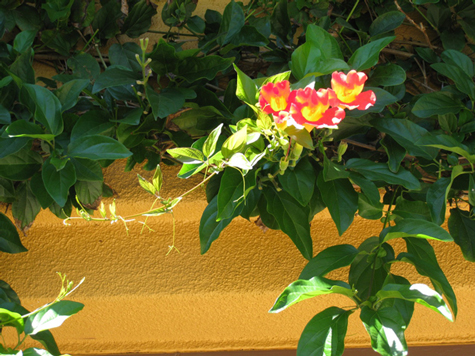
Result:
{"points": [[93, 122], [300, 181], [11, 318], [47, 340], [330, 259], [45, 106], [88, 193], [387, 75], [462, 229], [386, 329], [87, 170], [20, 165], [164, 58], [98, 147], [404, 307], [232, 192], [165, 103], [367, 209], [250, 205], [84, 65], [248, 36], [368, 188], [187, 155], [438, 103], [238, 160], [106, 20], [292, 219], [22, 70], [308, 60], [341, 200], [9, 238], [235, 143], [157, 179], [264, 216], [304, 289], [367, 56], [39, 190], [411, 209], [368, 268], [194, 68], [422, 257], [200, 121], [332, 170], [280, 21], [406, 133], [246, 88], [418, 293], [5, 117], [380, 172], [415, 228], [395, 152], [69, 93], [7, 191], [324, 41], [115, 76], [52, 316], [57, 183], [462, 81], [210, 229], [209, 146], [22, 128], [388, 21], [446, 142], [24, 40], [124, 55], [139, 19], [437, 195], [383, 99], [325, 333], [460, 60], [231, 24], [26, 207], [33, 351], [427, 54]]}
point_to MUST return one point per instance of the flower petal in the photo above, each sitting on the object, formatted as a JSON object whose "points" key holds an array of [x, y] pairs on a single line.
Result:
{"points": [[274, 97], [348, 87]]}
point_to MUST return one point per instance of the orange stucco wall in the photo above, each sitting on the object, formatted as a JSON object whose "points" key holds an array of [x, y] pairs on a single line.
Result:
{"points": [[139, 299]]}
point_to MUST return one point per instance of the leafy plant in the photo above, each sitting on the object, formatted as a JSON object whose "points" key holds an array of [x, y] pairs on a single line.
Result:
{"points": [[293, 133], [36, 324]]}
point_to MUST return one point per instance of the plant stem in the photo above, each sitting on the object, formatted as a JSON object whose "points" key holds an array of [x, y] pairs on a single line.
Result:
{"points": [[197, 186], [351, 13]]}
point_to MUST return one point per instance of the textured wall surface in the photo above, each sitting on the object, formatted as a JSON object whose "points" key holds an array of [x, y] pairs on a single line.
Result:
{"points": [[137, 299]]}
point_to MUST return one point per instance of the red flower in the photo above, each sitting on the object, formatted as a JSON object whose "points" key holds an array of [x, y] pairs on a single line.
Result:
{"points": [[347, 91], [274, 97], [311, 108]]}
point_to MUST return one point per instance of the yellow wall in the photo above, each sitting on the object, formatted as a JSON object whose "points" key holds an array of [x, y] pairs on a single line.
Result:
{"points": [[138, 299]]}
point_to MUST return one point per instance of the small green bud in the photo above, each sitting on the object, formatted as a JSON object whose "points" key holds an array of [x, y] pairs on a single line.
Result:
{"points": [[342, 147], [283, 164]]}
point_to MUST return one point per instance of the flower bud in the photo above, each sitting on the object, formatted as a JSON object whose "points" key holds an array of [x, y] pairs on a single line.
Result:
{"points": [[283, 164], [342, 147]]}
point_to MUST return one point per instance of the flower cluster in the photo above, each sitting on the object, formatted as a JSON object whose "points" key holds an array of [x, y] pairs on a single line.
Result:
{"points": [[322, 108]]}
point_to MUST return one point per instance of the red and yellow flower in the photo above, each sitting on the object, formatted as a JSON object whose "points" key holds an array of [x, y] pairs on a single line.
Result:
{"points": [[274, 97], [348, 91], [312, 108]]}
